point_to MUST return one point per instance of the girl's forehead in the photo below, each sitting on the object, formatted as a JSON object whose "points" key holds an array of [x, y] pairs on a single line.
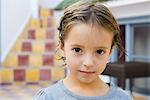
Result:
{"points": [[82, 28], [91, 26], [85, 33]]}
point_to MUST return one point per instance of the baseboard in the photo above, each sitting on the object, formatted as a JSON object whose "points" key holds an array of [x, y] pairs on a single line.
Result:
{"points": [[142, 90]]}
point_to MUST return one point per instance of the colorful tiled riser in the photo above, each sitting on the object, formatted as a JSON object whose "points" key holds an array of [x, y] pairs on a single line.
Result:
{"points": [[32, 58]]}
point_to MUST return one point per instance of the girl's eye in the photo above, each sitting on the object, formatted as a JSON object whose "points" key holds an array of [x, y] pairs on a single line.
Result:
{"points": [[100, 52], [77, 50]]}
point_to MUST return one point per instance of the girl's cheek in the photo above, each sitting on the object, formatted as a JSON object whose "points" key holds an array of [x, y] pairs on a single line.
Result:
{"points": [[73, 62]]}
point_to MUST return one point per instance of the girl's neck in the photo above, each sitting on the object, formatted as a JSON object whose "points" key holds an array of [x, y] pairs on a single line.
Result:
{"points": [[70, 81], [77, 86]]}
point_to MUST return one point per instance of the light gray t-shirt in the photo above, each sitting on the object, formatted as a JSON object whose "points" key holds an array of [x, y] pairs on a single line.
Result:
{"points": [[58, 91]]}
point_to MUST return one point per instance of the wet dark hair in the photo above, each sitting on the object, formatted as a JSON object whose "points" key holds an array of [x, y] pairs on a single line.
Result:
{"points": [[90, 13]]}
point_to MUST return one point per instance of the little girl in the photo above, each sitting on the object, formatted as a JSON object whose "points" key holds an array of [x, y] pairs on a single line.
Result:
{"points": [[87, 32]]}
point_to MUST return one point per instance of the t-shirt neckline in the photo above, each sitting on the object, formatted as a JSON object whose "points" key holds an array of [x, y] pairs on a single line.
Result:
{"points": [[66, 90]]}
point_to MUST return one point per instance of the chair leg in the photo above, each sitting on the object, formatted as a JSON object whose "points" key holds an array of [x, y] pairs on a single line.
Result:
{"points": [[131, 86]]}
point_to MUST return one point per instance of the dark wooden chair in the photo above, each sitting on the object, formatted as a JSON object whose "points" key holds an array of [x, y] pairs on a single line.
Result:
{"points": [[129, 70]]}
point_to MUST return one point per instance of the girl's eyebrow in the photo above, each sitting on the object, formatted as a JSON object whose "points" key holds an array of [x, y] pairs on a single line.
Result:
{"points": [[102, 47], [76, 45], [99, 47]]}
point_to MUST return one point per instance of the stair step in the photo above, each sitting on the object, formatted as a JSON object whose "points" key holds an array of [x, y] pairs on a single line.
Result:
{"points": [[31, 75], [26, 59], [34, 46], [47, 22], [41, 33], [44, 12]]}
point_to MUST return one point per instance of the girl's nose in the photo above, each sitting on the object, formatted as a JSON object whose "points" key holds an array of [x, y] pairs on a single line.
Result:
{"points": [[88, 61]]}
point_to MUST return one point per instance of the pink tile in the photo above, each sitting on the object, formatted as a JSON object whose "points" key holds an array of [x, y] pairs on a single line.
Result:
{"points": [[27, 46], [50, 32], [31, 34], [49, 46], [49, 22], [47, 60], [45, 74], [51, 12], [23, 60], [19, 75]]}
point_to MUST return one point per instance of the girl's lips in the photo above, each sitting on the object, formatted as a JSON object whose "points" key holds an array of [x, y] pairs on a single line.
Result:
{"points": [[87, 72]]}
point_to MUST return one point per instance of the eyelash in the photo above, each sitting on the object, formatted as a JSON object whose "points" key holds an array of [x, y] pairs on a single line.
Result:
{"points": [[77, 50], [99, 52]]}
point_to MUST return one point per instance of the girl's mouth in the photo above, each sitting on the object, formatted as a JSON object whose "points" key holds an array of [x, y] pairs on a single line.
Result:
{"points": [[87, 72]]}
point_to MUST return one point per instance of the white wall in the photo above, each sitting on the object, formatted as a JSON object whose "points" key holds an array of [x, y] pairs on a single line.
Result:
{"points": [[14, 15], [129, 8], [49, 3]]}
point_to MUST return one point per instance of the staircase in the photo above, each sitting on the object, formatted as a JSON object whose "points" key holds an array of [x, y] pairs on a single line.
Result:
{"points": [[32, 58]]}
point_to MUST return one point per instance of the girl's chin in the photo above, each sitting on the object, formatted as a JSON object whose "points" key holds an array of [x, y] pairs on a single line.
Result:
{"points": [[86, 81]]}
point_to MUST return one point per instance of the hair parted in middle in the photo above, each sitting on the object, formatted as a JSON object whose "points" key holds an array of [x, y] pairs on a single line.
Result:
{"points": [[89, 12]]}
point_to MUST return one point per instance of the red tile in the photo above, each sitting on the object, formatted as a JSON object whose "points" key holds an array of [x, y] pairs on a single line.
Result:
{"points": [[5, 83], [39, 10], [31, 34], [23, 60], [51, 12], [49, 46], [40, 19], [27, 46], [49, 22], [50, 32], [47, 60], [19, 75], [45, 74]]}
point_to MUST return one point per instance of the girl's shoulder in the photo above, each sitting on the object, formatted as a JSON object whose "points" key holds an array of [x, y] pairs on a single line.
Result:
{"points": [[47, 93], [120, 93]]}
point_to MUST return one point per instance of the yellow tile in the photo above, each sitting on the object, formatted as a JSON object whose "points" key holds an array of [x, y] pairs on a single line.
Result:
{"points": [[6, 75], [32, 75], [17, 46], [44, 22], [58, 73], [40, 33], [23, 35], [38, 47], [36, 60], [44, 12], [46, 83], [140, 98], [11, 60], [18, 83], [35, 23], [54, 24]]}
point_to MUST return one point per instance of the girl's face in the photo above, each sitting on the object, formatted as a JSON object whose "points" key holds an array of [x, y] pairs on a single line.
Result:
{"points": [[87, 49]]}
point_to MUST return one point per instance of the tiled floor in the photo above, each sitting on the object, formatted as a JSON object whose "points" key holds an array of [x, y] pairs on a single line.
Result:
{"points": [[138, 96], [19, 92], [26, 92]]}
